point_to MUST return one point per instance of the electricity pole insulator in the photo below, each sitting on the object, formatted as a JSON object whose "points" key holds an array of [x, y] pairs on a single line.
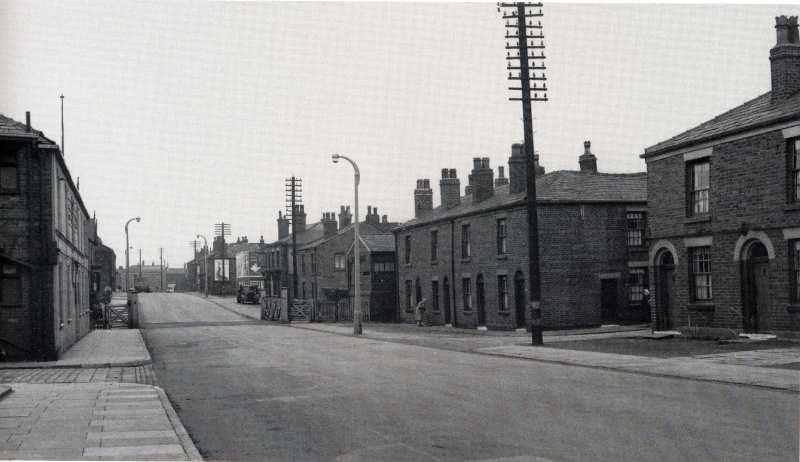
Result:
{"points": [[517, 16]]}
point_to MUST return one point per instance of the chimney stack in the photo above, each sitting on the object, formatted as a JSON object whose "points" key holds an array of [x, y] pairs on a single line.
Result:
{"points": [[384, 219], [423, 198], [784, 59], [516, 170], [299, 219], [450, 189], [329, 223], [345, 217], [28, 121], [372, 216], [501, 180], [587, 160], [283, 226], [482, 179]]}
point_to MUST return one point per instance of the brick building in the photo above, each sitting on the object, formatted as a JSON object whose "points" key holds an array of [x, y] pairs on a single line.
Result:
{"points": [[325, 266], [468, 257], [724, 210], [44, 249], [103, 263]]}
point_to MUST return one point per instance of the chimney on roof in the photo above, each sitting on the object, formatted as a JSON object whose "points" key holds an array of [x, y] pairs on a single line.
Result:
{"points": [[501, 180], [345, 217], [587, 160], [283, 226], [517, 176], [423, 198], [299, 219], [482, 179], [329, 223], [384, 218], [470, 187], [449, 189], [28, 121], [372, 216], [784, 59]]}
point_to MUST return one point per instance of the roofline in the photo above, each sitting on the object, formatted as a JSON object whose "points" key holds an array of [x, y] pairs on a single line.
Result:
{"points": [[648, 153], [513, 204]]}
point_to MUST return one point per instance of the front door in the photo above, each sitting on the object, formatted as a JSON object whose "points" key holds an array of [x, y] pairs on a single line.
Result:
{"points": [[666, 281], [608, 300], [519, 299], [446, 300], [481, 301], [757, 301]]}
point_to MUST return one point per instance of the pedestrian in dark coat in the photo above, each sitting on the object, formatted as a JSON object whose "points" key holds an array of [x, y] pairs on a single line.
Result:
{"points": [[419, 311]]}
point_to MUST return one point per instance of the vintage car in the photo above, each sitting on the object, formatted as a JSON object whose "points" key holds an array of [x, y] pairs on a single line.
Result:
{"points": [[248, 294]]}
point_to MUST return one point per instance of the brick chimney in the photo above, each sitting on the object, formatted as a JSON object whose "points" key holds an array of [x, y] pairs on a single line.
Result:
{"points": [[501, 180], [299, 219], [587, 160], [372, 216], [345, 217], [470, 187], [517, 168], [423, 198], [283, 226], [329, 223], [784, 59], [482, 179], [28, 121], [384, 219], [450, 189]]}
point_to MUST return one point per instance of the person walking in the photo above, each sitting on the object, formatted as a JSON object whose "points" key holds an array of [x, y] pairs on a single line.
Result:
{"points": [[649, 300], [419, 311]]}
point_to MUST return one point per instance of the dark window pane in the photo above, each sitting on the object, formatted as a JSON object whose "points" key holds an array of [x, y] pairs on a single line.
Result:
{"points": [[8, 178], [9, 291]]}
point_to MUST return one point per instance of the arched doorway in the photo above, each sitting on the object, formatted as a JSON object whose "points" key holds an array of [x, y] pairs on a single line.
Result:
{"points": [[519, 298], [755, 288], [446, 300], [481, 294], [665, 274]]}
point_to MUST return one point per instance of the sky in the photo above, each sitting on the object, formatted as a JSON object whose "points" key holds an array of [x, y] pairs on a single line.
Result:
{"points": [[189, 114]]}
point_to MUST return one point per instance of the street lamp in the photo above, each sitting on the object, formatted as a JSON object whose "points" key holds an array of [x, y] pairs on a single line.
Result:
{"points": [[205, 265], [357, 329], [127, 252]]}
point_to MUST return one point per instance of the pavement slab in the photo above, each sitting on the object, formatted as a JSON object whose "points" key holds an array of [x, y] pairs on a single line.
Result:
{"points": [[83, 421]]}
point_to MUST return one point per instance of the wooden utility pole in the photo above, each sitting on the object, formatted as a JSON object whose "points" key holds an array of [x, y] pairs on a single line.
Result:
{"points": [[62, 123], [517, 16], [294, 197], [161, 258]]}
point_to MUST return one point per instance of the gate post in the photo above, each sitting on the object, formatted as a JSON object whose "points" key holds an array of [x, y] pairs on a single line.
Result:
{"points": [[133, 309]]}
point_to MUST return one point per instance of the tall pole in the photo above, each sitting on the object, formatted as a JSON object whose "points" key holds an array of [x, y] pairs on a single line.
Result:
{"points": [[205, 265], [128, 251], [357, 326], [140, 263], [161, 257], [527, 64], [62, 124], [294, 236]]}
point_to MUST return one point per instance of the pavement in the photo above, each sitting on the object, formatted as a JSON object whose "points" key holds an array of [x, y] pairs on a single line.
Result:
{"points": [[261, 391]]}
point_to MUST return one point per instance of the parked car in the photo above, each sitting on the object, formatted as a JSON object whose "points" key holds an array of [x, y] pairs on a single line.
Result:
{"points": [[248, 294]]}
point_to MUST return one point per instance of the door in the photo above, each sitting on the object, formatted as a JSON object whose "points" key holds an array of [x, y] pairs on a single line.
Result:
{"points": [[757, 300], [666, 282], [481, 300], [446, 300], [608, 300], [519, 298]]}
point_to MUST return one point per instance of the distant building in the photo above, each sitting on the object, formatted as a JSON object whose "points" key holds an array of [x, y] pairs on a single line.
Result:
{"points": [[44, 248], [724, 211], [103, 263], [468, 257]]}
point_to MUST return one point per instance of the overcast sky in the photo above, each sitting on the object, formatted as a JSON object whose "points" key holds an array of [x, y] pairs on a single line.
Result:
{"points": [[189, 114]]}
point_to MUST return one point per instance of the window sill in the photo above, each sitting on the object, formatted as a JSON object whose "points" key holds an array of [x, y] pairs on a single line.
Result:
{"points": [[503, 256], [407, 265], [793, 309], [697, 306], [697, 219], [466, 260], [434, 262], [504, 312], [792, 207]]}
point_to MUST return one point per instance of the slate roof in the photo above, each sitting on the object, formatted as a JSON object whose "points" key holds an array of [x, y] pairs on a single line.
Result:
{"points": [[379, 242], [560, 186], [11, 128], [364, 229], [755, 113], [313, 232]]}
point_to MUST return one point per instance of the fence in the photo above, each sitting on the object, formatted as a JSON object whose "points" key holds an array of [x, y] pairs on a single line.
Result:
{"points": [[341, 311], [274, 309]]}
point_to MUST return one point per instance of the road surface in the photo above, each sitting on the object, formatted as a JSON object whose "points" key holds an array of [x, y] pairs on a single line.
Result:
{"points": [[247, 390]]}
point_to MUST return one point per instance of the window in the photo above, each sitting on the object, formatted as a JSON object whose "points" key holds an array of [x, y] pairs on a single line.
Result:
{"points": [[502, 237], [502, 292], [466, 251], [700, 273], [794, 262], [637, 281], [793, 169], [434, 245], [635, 228], [10, 286], [418, 286], [698, 187], [409, 297], [338, 262], [435, 295], [313, 263], [407, 256], [383, 267], [8, 172], [467, 294], [303, 264]]}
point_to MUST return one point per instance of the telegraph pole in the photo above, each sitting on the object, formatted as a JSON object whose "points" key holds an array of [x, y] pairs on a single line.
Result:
{"points": [[161, 258], [223, 229], [196, 280], [62, 123], [518, 24], [294, 197]]}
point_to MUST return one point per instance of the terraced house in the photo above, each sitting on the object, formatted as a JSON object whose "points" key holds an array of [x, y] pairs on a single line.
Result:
{"points": [[468, 257], [724, 210]]}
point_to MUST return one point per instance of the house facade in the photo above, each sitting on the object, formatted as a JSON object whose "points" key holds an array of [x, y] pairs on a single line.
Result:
{"points": [[724, 211], [468, 257], [44, 248]]}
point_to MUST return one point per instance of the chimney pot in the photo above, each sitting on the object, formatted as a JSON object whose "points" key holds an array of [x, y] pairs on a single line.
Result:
{"points": [[385, 219], [784, 59], [453, 174], [28, 121], [445, 173], [423, 198]]}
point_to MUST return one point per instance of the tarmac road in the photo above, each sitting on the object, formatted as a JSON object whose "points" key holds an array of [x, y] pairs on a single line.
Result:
{"points": [[256, 391]]}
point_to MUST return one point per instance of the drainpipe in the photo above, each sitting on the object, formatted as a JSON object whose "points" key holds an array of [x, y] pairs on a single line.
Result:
{"points": [[453, 272]]}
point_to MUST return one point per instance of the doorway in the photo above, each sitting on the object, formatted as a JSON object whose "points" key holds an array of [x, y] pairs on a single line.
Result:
{"points": [[446, 300], [608, 300], [757, 300], [519, 298], [481, 293], [664, 291]]}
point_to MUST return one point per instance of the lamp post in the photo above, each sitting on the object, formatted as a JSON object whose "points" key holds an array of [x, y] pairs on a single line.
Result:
{"points": [[357, 329], [127, 252], [205, 265]]}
